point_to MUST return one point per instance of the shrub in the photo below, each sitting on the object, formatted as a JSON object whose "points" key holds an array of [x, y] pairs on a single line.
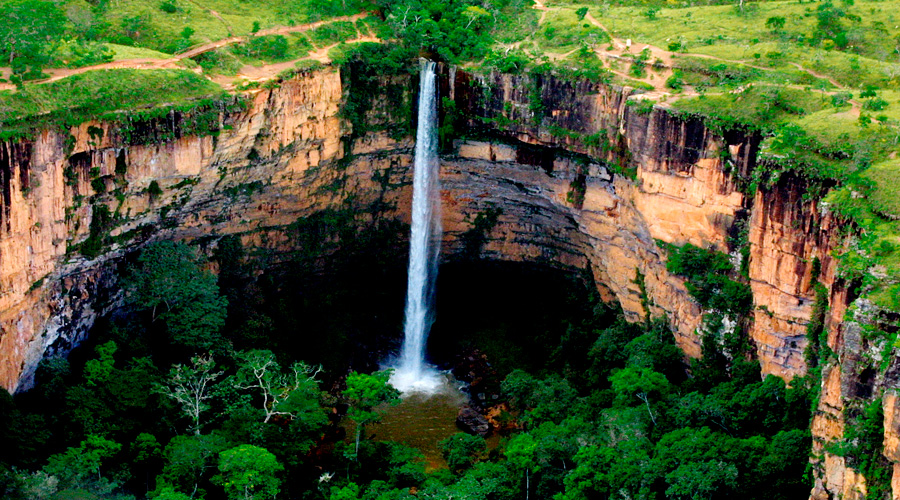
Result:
{"points": [[705, 271], [875, 104], [841, 99], [869, 91], [265, 47], [675, 82], [775, 22]]}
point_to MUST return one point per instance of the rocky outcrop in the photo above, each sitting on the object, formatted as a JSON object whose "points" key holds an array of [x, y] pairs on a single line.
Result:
{"points": [[469, 420], [790, 240]]}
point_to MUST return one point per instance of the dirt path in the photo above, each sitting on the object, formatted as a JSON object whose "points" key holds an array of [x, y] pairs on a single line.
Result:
{"points": [[174, 61], [269, 71], [321, 54], [284, 30], [655, 78], [816, 74], [812, 73], [622, 50], [538, 5]]}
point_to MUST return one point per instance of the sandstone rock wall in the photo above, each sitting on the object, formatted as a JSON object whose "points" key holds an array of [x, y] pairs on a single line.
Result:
{"points": [[268, 166], [277, 161], [581, 178]]}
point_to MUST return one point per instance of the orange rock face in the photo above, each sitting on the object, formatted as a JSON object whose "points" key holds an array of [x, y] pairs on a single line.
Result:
{"points": [[286, 145], [278, 161]]}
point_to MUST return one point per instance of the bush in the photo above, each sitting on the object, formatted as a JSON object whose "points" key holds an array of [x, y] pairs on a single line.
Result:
{"points": [[462, 450], [640, 106], [875, 104], [707, 280], [675, 82], [513, 61], [841, 99], [168, 7], [870, 91], [775, 23], [265, 47]]}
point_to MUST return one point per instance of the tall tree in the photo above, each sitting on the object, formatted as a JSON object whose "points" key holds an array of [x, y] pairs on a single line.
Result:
{"points": [[259, 370], [191, 387], [365, 392], [248, 472], [27, 29], [169, 282]]}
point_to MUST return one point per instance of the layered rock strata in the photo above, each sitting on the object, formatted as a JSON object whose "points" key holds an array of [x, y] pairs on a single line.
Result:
{"points": [[576, 174]]}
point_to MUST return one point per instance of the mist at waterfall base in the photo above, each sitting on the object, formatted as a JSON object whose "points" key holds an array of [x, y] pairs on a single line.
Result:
{"points": [[411, 372]]}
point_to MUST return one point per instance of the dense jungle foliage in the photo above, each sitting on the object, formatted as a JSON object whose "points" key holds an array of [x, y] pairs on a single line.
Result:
{"points": [[216, 388]]}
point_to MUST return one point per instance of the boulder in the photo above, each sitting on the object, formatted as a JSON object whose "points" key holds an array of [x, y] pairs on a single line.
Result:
{"points": [[473, 422]]}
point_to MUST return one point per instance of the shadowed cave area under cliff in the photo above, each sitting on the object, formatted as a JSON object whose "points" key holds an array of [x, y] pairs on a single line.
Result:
{"points": [[344, 310]]}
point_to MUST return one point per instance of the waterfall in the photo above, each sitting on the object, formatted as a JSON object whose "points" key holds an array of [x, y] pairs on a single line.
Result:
{"points": [[412, 373]]}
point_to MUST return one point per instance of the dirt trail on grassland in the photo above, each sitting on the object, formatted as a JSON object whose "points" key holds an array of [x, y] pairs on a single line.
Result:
{"points": [[622, 50], [250, 73], [175, 60]]}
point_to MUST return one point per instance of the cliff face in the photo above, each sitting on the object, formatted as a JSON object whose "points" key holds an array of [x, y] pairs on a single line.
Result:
{"points": [[258, 175], [574, 174]]}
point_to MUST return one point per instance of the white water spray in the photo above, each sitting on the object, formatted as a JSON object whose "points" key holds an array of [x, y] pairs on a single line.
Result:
{"points": [[412, 373]]}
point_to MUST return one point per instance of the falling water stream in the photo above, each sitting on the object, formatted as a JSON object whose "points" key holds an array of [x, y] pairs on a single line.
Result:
{"points": [[411, 373]]}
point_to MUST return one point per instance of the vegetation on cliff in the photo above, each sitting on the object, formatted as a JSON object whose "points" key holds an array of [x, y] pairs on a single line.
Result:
{"points": [[111, 95]]}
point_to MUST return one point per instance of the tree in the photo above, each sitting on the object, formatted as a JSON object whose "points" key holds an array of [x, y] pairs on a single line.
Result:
{"points": [[701, 480], [167, 492], [169, 282], [461, 450], [591, 477], [550, 399], [476, 16], [349, 492], [259, 370], [248, 472], [775, 23], [364, 393], [99, 372], [642, 383], [27, 28], [81, 467], [190, 387], [829, 26], [146, 454], [486, 480], [580, 13], [520, 451], [189, 458]]}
